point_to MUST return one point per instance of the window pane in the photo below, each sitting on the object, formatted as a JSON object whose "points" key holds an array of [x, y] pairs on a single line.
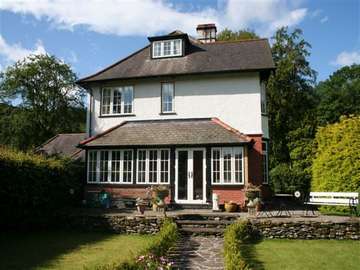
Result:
{"points": [[227, 152], [153, 166], [141, 169], [238, 164], [216, 166], [265, 163], [167, 48], [177, 47], [106, 98], [115, 166], [157, 49], [127, 166], [164, 166], [128, 99], [104, 166], [92, 166], [117, 101], [167, 97]]}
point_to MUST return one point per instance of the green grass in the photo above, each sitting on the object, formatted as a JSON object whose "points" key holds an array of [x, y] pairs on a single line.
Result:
{"points": [[67, 250], [304, 254]]}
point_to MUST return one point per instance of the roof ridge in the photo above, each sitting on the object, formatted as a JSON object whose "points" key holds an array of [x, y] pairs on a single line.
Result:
{"points": [[236, 41], [230, 128], [83, 142]]}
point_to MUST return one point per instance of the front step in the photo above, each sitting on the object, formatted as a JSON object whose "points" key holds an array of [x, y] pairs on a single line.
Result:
{"points": [[204, 222], [202, 231]]}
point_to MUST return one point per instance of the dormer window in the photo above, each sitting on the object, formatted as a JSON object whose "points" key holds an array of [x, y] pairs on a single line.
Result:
{"points": [[167, 48]]}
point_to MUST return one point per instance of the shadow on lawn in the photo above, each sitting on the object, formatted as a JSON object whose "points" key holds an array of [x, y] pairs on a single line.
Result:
{"points": [[28, 250], [249, 254]]}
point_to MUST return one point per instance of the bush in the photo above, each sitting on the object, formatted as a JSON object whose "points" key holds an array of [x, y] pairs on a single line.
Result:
{"points": [[235, 235], [33, 189], [336, 167], [153, 257]]}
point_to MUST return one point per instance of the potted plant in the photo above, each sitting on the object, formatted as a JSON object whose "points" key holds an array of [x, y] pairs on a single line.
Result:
{"points": [[252, 192], [159, 193], [140, 205], [230, 206]]}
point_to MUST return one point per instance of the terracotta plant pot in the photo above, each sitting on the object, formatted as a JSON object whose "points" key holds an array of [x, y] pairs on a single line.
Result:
{"points": [[230, 207], [141, 208]]}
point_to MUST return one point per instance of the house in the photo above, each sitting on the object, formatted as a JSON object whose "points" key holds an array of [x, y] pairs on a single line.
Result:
{"points": [[184, 112], [63, 145]]}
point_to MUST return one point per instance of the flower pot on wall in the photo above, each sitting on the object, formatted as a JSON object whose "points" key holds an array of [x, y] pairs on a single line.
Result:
{"points": [[230, 207]]}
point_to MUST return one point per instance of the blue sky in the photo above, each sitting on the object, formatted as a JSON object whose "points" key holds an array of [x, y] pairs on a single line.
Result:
{"points": [[91, 34]]}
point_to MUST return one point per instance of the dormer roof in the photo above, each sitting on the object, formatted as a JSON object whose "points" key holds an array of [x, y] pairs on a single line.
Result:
{"points": [[199, 58]]}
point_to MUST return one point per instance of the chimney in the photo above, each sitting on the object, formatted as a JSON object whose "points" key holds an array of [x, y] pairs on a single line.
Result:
{"points": [[206, 32]]}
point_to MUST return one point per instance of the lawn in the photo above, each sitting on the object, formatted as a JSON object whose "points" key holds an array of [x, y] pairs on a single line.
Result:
{"points": [[67, 250], [304, 254]]}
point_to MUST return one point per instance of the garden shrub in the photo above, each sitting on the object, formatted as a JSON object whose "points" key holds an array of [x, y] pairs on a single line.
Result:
{"points": [[34, 189], [235, 235], [153, 258], [336, 167]]}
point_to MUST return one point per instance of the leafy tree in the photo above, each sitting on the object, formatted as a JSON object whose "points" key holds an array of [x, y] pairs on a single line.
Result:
{"points": [[49, 101], [339, 95], [229, 35], [336, 166], [290, 91]]}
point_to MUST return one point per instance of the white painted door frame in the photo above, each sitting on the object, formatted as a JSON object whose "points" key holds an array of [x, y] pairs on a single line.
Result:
{"points": [[190, 174]]}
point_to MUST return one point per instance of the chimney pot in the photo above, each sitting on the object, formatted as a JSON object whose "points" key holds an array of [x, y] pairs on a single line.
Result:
{"points": [[206, 32]]}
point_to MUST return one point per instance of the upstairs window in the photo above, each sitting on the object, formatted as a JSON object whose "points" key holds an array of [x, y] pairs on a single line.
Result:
{"points": [[263, 98], [167, 97], [117, 100], [167, 48]]}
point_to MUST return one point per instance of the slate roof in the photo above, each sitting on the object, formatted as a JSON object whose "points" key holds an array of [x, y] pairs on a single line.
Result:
{"points": [[209, 131], [64, 145], [246, 55]]}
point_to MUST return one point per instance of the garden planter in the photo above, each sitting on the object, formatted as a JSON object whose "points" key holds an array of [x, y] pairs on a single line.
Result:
{"points": [[230, 207]]}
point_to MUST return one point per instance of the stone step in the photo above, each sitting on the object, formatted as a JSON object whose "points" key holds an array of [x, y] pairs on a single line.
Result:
{"points": [[201, 230], [203, 222]]}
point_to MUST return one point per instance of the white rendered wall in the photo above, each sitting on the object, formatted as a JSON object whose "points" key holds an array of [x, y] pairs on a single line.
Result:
{"points": [[234, 99]]}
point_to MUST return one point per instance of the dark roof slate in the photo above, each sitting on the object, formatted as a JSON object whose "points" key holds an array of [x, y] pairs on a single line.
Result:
{"points": [[168, 132], [64, 145], [246, 55]]}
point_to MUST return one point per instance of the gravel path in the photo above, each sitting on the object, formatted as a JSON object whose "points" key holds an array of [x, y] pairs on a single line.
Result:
{"points": [[198, 252]]}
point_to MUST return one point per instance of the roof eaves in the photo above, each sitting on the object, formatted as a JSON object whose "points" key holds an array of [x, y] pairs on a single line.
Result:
{"points": [[231, 129]]}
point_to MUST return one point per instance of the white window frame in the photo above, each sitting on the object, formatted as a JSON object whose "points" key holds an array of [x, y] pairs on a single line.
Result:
{"points": [[172, 100], [122, 89], [172, 48], [158, 169], [263, 104], [232, 182], [265, 162], [121, 172]]}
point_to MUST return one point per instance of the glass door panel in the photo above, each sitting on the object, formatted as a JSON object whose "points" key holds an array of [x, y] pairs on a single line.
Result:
{"points": [[182, 175], [197, 174]]}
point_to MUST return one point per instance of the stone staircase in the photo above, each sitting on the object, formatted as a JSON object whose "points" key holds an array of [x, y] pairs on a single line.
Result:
{"points": [[203, 224]]}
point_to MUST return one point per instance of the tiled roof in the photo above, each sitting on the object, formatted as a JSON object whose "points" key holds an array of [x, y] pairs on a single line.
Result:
{"points": [[63, 145], [246, 55], [209, 131]]}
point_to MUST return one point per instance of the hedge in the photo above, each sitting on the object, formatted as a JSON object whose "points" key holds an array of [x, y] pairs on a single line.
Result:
{"points": [[235, 235], [336, 166], [34, 189], [153, 258]]}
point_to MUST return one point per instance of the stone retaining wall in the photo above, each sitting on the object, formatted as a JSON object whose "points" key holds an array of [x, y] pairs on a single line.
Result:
{"points": [[309, 230]]}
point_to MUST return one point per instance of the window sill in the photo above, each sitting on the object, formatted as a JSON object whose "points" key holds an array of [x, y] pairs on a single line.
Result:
{"points": [[167, 113], [117, 115], [228, 184]]}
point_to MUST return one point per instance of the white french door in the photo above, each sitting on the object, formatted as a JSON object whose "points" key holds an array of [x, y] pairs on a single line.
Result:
{"points": [[190, 180]]}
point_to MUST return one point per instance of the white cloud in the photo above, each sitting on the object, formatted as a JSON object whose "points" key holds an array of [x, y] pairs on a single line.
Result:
{"points": [[347, 58], [324, 19], [148, 17], [15, 52], [73, 57]]}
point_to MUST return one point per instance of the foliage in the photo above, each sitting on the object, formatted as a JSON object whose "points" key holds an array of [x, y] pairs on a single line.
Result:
{"points": [[153, 257], [289, 91], [336, 167], [339, 95], [49, 101], [235, 235], [34, 189], [229, 35]]}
